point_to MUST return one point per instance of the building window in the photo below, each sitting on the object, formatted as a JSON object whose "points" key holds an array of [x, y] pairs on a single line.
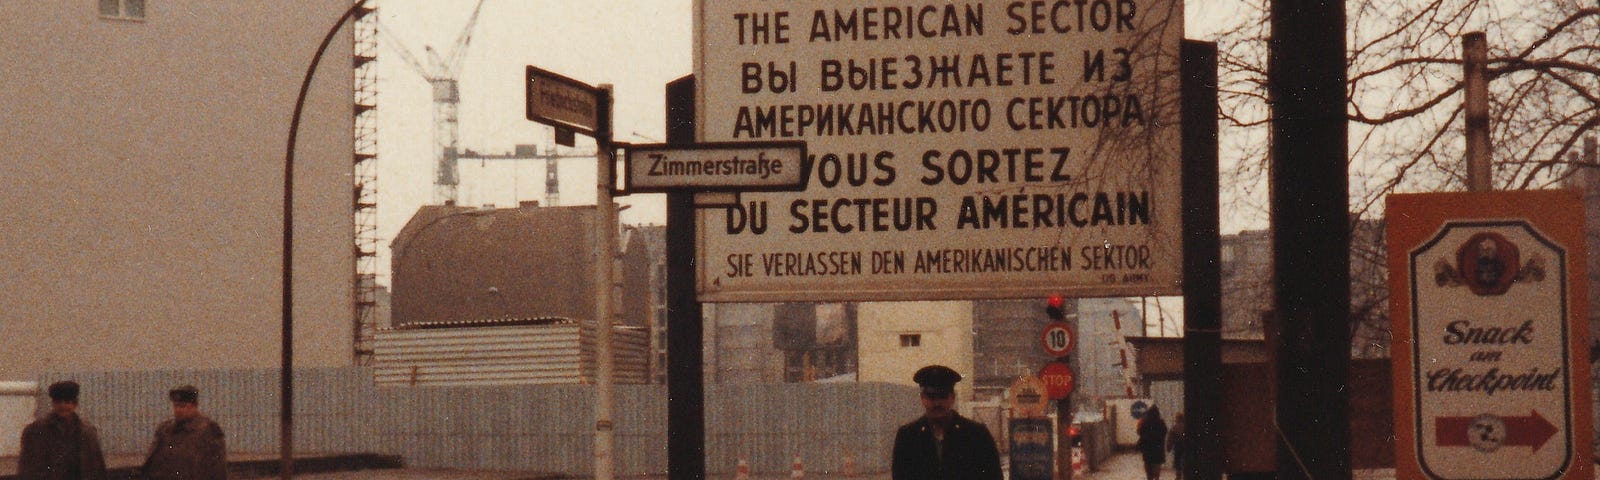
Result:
{"points": [[911, 340], [122, 9]]}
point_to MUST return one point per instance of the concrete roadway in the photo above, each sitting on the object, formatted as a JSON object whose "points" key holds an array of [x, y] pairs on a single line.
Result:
{"points": [[1122, 466]]}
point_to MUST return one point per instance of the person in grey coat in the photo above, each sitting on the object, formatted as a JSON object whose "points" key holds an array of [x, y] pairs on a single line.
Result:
{"points": [[61, 445], [190, 446]]}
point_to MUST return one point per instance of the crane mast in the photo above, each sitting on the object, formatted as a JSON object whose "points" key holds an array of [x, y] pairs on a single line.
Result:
{"points": [[443, 74]]}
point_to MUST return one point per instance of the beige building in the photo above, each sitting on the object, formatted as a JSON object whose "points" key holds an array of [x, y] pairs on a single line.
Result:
{"points": [[143, 146], [897, 338]]}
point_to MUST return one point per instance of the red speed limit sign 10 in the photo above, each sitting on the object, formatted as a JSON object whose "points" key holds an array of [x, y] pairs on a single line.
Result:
{"points": [[1057, 338]]}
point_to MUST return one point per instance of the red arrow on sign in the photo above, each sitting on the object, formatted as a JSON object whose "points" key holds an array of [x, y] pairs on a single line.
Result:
{"points": [[1527, 431]]}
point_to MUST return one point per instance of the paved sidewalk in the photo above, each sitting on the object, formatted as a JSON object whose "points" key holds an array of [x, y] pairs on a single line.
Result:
{"points": [[1128, 466], [1123, 466], [438, 474]]}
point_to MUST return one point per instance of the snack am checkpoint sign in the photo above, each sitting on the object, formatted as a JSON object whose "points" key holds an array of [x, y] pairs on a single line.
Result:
{"points": [[960, 149], [1491, 333]]}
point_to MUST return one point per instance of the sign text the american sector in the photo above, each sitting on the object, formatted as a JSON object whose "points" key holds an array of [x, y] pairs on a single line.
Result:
{"points": [[958, 148]]}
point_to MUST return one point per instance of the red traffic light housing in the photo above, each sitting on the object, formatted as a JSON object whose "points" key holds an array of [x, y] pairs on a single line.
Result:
{"points": [[1053, 307]]}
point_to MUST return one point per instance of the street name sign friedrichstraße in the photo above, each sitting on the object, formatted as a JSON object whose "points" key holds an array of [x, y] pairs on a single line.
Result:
{"points": [[1490, 324], [960, 149], [557, 100]]}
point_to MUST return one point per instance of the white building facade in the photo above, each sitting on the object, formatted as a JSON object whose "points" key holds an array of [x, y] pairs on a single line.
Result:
{"points": [[143, 146]]}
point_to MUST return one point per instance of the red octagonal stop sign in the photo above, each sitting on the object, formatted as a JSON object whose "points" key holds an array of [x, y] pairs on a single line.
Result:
{"points": [[1059, 380]]}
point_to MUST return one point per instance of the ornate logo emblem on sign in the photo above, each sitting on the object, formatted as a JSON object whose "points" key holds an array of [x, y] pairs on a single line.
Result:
{"points": [[1487, 264]]}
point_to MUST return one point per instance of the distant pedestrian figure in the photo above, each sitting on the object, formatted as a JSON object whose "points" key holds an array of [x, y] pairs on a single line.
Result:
{"points": [[190, 445], [943, 445], [1175, 444], [1152, 442], [61, 445]]}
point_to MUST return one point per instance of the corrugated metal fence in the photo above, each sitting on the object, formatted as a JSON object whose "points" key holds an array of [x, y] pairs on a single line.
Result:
{"points": [[547, 428], [329, 403]]}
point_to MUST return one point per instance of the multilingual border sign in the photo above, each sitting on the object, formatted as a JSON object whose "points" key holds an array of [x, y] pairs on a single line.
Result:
{"points": [[959, 149]]}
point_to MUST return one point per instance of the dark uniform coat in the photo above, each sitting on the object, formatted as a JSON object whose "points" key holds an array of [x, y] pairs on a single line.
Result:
{"points": [[969, 452], [188, 450], [55, 448]]}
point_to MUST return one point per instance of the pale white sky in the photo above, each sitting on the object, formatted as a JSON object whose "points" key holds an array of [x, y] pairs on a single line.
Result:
{"points": [[636, 45]]}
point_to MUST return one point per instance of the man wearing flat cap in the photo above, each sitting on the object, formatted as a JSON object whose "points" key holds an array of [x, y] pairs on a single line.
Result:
{"points": [[943, 445], [190, 445], [61, 446]]}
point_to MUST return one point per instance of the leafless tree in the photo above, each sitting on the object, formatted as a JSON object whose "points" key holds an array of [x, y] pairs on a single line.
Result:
{"points": [[1405, 109]]}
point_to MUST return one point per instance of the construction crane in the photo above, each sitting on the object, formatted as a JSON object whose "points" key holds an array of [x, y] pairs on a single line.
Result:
{"points": [[443, 73], [552, 181]]}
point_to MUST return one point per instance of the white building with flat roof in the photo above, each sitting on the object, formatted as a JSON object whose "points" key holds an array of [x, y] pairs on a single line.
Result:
{"points": [[143, 146]]}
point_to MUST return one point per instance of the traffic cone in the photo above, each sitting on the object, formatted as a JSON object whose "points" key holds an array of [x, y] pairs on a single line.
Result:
{"points": [[798, 469], [742, 472], [1077, 461], [849, 464]]}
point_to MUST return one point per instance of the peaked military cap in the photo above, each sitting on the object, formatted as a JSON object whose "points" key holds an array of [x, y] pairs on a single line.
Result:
{"points": [[186, 393], [936, 378], [66, 391]]}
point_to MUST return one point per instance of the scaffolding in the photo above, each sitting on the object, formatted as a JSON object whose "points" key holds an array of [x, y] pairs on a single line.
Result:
{"points": [[364, 193]]}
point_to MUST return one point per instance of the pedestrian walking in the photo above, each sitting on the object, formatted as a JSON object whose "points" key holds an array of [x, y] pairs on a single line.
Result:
{"points": [[190, 445], [943, 445], [61, 445], [1175, 441], [1152, 442]]}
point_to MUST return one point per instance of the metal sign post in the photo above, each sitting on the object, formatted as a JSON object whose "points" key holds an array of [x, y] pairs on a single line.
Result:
{"points": [[562, 102], [605, 232]]}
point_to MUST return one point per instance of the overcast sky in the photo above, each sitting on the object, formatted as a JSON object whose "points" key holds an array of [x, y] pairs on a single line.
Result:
{"points": [[636, 45]]}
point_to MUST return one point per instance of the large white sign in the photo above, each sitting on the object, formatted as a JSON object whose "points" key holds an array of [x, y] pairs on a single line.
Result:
{"points": [[1490, 324], [961, 149]]}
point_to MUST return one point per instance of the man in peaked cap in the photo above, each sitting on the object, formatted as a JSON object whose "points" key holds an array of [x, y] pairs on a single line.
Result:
{"points": [[943, 445], [190, 445], [61, 446]]}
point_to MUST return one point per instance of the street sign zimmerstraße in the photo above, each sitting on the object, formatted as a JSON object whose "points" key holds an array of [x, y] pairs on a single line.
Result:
{"points": [[727, 166]]}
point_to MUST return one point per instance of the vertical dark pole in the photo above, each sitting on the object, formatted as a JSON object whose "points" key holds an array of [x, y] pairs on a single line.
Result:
{"points": [[1202, 272], [286, 366], [1474, 73], [1310, 237], [1064, 436], [686, 427]]}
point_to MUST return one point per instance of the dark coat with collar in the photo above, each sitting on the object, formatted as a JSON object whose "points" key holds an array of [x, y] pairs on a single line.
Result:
{"points": [[969, 452], [189, 450], [48, 445]]}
